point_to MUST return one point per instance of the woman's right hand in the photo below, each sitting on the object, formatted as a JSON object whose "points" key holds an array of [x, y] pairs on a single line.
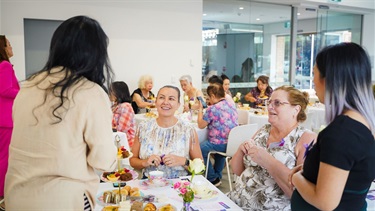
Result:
{"points": [[245, 146], [153, 160]]}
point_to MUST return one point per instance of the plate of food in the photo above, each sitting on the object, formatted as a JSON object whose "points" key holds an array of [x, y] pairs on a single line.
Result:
{"points": [[112, 197], [123, 153], [204, 193], [123, 175], [167, 207]]}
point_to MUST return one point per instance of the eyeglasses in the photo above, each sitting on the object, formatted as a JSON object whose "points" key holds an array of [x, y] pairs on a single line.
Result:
{"points": [[275, 103]]}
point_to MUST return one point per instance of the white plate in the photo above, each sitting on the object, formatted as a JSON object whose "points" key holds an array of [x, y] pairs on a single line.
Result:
{"points": [[210, 195]]}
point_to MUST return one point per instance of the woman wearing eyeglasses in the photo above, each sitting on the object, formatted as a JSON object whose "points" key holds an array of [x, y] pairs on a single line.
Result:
{"points": [[263, 163]]}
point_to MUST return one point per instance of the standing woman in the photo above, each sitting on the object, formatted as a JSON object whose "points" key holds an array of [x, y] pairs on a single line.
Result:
{"points": [[62, 124], [9, 88], [123, 114], [339, 168], [143, 97]]}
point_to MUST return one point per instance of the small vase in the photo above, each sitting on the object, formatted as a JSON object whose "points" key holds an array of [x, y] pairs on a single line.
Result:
{"points": [[186, 206]]}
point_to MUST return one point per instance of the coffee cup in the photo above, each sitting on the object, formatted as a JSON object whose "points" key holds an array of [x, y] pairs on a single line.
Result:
{"points": [[156, 177]]}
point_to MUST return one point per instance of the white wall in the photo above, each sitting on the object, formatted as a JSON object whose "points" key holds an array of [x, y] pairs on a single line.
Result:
{"points": [[160, 38]]}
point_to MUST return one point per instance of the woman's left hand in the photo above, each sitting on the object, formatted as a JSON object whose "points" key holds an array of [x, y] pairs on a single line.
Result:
{"points": [[259, 155], [173, 160]]}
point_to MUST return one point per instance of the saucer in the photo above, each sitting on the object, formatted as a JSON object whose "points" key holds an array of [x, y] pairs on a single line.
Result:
{"points": [[210, 195], [147, 183]]}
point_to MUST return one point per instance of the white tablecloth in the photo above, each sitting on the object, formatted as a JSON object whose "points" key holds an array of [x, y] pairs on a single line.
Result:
{"points": [[170, 196], [202, 133]]}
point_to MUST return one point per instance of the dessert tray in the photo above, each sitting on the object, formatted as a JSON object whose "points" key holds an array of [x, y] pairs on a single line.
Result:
{"points": [[117, 179]]}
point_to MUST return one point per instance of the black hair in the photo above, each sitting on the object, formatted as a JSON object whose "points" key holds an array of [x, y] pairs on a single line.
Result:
{"points": [[79, 47], [121, 91], [215, 79]]}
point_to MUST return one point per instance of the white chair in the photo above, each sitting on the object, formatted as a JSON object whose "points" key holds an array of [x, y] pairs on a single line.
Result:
{"points": [[243, 116], [236, 137]]}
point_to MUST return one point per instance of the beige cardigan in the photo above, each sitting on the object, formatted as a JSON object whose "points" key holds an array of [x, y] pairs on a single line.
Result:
{"points": [[51, 165]]}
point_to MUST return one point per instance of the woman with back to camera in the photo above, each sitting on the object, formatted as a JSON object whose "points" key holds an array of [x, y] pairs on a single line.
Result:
{"points": [[264, 163], [166, 143], [260, 93], [123, 114], [143, 98], [191, 93], [339, 168], [9, 88], [62, 124]]}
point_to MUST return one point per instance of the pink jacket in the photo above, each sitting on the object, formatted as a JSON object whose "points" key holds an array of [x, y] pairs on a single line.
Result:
{"points": [[9, 88]]}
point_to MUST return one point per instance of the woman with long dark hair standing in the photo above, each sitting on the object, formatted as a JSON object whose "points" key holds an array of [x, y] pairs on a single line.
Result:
{"points": [[62, 124]]}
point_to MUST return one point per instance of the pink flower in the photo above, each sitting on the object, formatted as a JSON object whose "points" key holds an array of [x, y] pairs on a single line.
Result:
{"points": [[177, 185], [183, 190], [186, 183]]}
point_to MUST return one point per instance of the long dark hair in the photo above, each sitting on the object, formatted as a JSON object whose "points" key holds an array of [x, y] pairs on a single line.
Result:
{"points": [[346, 68], [3, 53], [79, 47], [121, 91]]}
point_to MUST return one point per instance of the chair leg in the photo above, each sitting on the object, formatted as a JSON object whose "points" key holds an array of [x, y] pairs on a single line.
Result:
{"points": [[228, 172], [208, 160]]}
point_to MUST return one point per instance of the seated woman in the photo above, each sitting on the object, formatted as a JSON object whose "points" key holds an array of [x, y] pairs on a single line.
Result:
{"points": [[219, 118], [190, 93], [264, 163], [259, 94], [123, 114], [143, 97], [216, 79], [165, 143]]}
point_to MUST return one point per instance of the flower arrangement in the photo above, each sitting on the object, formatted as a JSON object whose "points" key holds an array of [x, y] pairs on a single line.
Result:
{"points": [[184, 189], [237, 98]]}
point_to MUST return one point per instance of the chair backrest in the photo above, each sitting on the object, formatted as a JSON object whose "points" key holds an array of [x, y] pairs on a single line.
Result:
{"points": [[238, 135], [243, 116]]}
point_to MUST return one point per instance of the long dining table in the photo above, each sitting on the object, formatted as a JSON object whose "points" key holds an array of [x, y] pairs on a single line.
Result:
{"points": [[167, 195]]}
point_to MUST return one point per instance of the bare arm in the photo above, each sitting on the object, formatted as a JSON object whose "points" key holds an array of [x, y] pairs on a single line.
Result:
{"points": [[249, 97], [237, 161], [140, 103], [327, 192]]}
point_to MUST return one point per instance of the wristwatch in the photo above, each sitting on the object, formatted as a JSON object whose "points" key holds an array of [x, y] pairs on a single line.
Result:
{"points": [[187, 162]]}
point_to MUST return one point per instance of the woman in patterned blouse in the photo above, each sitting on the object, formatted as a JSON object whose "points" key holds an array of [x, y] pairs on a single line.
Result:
{"points": [[264, 162], [260, 93]]}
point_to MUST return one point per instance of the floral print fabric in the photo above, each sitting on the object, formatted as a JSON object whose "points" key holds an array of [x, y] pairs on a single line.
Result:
{"points": [[255, 189], [161, 141]]}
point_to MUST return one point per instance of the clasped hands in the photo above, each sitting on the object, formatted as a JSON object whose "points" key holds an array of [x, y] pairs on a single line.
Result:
{"points": [[168, 160], [257, 154]]}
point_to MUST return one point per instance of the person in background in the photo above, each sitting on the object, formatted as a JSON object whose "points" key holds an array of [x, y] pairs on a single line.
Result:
{"points": [[9, 88], [62, 124], [216, 79], [339, 168], [143, 98], [123, 114], [219, 118], [264, 162], [226, 84], [190, 93], [165, 143], [260, 93]]}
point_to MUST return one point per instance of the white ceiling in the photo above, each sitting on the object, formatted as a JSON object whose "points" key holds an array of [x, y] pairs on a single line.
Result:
{"points": [[278, 11]]}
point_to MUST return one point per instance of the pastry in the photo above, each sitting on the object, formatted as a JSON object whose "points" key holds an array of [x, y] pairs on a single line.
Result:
{"points": [[167, 207], [150, 207], [137, 206]]}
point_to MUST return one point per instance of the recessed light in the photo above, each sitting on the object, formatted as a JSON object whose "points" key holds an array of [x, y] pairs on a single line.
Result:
{"points": [[258, 19], [241, 8], [204, 14], [298, 13]]}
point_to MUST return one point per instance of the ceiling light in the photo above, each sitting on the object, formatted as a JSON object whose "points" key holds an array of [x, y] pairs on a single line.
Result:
{"points": [[258, 19], [241, 8], [298, 13], [204, 14]]}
